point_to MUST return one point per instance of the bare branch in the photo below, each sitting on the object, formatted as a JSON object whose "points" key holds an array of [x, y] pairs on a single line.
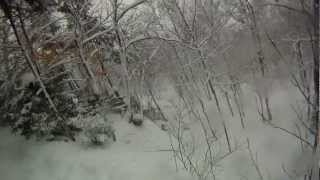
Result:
{"points": [[129, 8]]}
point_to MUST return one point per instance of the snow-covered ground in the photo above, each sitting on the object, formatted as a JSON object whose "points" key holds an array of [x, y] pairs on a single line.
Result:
{"points": [[139, 154]]}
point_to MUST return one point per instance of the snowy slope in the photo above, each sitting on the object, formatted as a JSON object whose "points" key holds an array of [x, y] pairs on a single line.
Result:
{"points": [[135, 156]]}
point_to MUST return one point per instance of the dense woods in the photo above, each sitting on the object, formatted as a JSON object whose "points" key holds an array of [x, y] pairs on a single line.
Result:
{"points": [[66, 65]]}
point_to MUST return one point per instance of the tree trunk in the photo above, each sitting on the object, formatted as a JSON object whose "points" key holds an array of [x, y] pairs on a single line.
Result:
{"points": [[316, 69], [315, 117]]}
